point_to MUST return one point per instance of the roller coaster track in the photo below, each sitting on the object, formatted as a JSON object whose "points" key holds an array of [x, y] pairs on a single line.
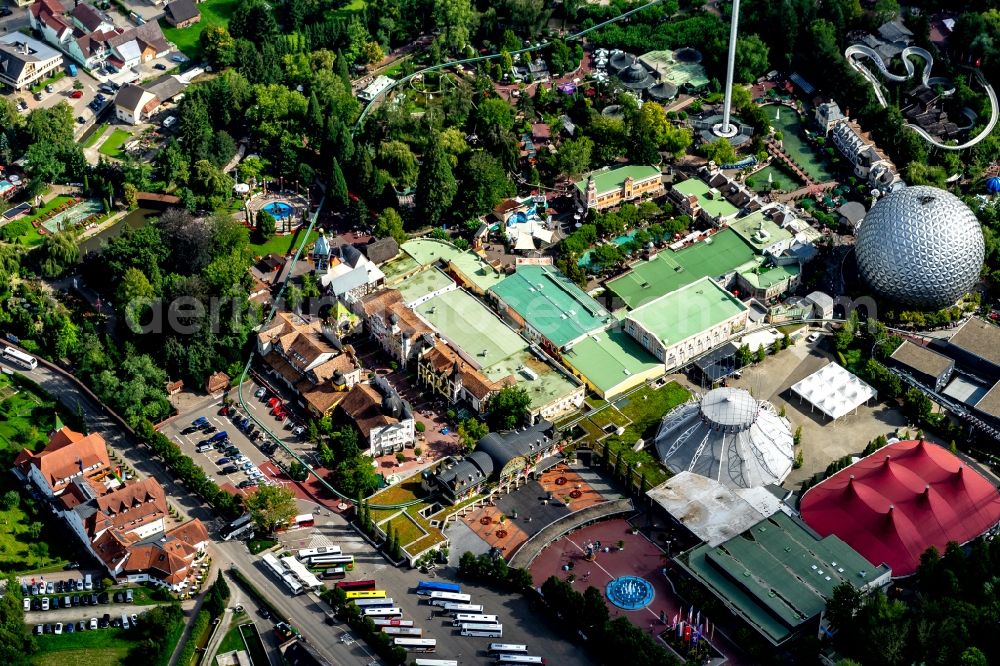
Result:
{"points": [[854, 54], [468, 61]]}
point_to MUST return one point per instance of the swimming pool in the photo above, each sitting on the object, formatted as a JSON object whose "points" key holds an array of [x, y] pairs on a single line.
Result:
{"points": [[584, 261], [279, 210], [5, 187]]}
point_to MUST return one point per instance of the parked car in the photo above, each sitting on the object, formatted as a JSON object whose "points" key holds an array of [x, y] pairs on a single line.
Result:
{"points": [[273, 401], [190, 429], [66, 601], [81, 120], [260, 393], [76, 94], [222, 461], [178, 58], [45, 603], [57, 630], [105, 621], [72, 565], [27, 604], [93, 600], [246, 483], [93, 623], [70, 627], [208, 430], [813, 337], [200, 421], [118, 597], [75, 600], [160, 66], [128, 596], [34, 590], [50, 587], [59, 586], [36, 604], [134, 618], [223, 410], [230, 469], [39, 629], [280, 416], [50, 88], [102, 598], [48, 628]]}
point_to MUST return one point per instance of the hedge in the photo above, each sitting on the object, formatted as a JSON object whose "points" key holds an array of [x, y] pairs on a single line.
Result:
{"points": [[201, 624]]}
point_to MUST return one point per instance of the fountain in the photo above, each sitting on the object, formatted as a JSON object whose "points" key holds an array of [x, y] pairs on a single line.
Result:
{"points": [[777, 113], [630, 592]]}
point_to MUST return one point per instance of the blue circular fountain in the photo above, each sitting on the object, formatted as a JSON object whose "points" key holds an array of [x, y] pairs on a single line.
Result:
{"points": [[630, 592]]}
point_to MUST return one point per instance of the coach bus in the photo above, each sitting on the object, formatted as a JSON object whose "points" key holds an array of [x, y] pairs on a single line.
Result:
{"points": [[435, 662], [306, 553], [451, 609], [346, 561], [304, 520], [425, 587], [416, 644], [366, 594], [519, 659], [412, 632], [490, 630], [468, 618], [391, 622], [374, 603], [348, 585], [335, 573], [20, 358], [382, 612], [497, 649], [442, 598]]}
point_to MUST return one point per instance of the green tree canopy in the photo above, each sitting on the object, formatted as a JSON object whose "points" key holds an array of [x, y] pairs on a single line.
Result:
{"points": [[436, 186], [271, 507], [508, 409]]}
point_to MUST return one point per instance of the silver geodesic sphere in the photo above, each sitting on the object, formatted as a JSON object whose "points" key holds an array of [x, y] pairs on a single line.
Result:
{"points": [[920, 246]]}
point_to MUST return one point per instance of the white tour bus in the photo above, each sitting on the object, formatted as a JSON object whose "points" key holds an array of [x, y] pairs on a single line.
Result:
{"points": [[468, 618], [497, 649], [416, 644], [519, 659], [414, 632], [306, 553], [442, 598], [391, 622], [19, 357], [435, 662], [382, 612], [490, 630], [462, 608], [373, 603]]}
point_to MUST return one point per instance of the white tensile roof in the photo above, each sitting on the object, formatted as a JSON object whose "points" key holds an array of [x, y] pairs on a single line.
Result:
{"points": [[834, 391]]}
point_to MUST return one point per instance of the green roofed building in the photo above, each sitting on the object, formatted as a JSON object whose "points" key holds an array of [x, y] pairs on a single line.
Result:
{"points": [[766, 284], [547, 306], [471, 270], [425, 285], [608, 188], [500, 354], [778, 575], [687, 322], [761, 233], [611, 362], [698, 198], [719, 256]]}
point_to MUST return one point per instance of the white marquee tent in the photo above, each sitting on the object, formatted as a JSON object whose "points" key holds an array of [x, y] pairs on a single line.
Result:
{"points": [[834, 391]]}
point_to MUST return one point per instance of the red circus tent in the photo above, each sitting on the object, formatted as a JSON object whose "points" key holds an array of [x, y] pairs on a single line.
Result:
{"points": [[900, 501]]}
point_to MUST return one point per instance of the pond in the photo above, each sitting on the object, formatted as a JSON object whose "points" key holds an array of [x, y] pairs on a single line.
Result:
{"points": [[133, 220], [787, 121]]}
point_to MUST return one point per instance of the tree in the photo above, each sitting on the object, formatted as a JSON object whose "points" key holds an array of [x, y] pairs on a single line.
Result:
{"points": [[9, 500], [456, 18], [266, 225], [133, 297], [293, 296], [470, 431], [297, 471], [390, 224], [761, 353], [508, 409], [719, 151], [371, 52], [60, 251], [484, 185], [337, 191], [493, 112], [271, 507], [436, 186], [842, 606], [218, 46], [573, 157], [751, 58], [652, 131], [398, 160]]}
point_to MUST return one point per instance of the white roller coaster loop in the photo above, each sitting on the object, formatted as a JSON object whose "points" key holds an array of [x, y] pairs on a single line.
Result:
{"points": [[854, 54]]}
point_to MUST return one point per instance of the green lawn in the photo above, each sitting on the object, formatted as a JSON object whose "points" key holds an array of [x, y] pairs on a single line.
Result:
{"points": [[27, 532], [112, 147], [232, 640], [40, 86], [213, 13], [106, 647], [95, 136], [256, 546], [282, 244]]}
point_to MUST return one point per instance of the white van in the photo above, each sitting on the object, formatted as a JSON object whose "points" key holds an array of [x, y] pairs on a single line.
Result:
{"points": [[88, 583], [125, 624], [169, 121]]}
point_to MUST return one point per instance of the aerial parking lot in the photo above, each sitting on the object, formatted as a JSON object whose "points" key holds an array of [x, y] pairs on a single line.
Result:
{"points": [[226, 442]]}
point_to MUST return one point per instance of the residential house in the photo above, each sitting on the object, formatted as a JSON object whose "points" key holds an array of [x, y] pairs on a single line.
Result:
{"points": [[25, 61], [384, 419], [442, 370], [310, 359], [608, 188], [68, 456], [396, 327], [134, 104], [87, 19], [182, 13], [868, 161]]}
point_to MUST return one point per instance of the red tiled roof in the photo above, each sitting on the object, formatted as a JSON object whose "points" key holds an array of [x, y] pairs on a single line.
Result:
{"points": [[65, 455], [129, 507], [900, 501]]}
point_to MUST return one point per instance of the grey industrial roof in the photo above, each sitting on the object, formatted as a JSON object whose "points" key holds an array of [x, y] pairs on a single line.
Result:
{"points": [[922, 359], [711, 511], [979, 338]]}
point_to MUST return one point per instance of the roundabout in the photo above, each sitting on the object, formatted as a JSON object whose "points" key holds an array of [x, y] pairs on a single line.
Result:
{"points": [[629, 592]]}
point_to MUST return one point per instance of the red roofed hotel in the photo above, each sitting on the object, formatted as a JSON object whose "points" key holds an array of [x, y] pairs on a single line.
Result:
{"points": [[901, 500], [123, 524]]}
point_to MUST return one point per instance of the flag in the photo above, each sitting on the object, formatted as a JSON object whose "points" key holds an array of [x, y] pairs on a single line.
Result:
{"points": [[694, 636], [690, 614], [698, 620], [680, 629], [674, 623], [687, 633]]}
